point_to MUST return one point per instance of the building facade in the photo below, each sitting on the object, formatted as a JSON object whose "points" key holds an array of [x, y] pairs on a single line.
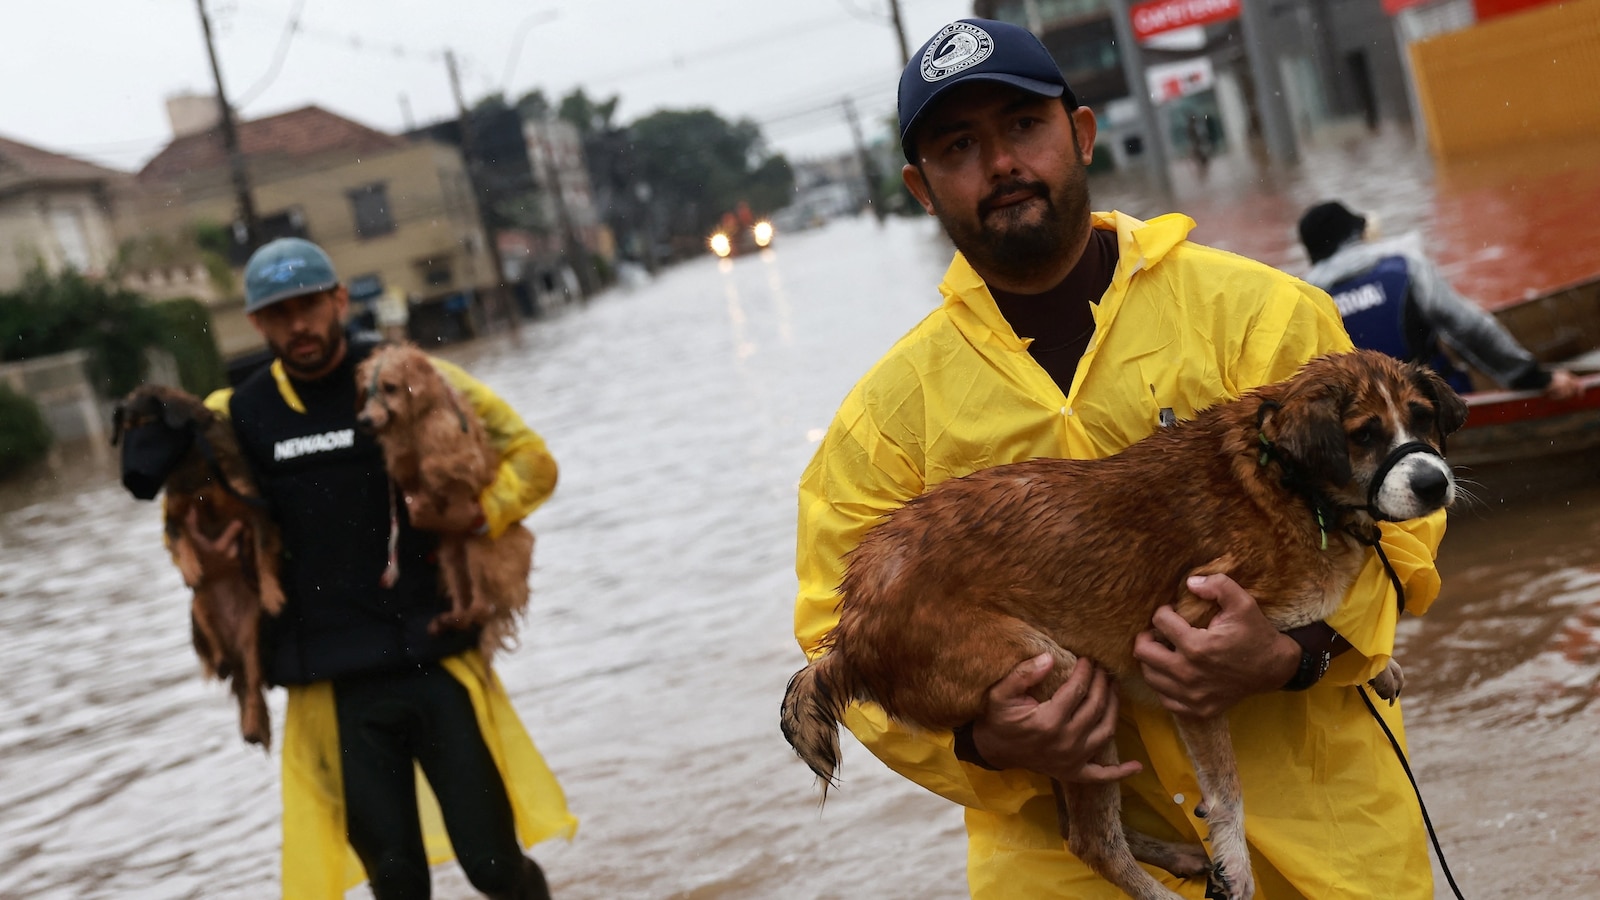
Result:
{"points": [[397, 216], [56, 212]]}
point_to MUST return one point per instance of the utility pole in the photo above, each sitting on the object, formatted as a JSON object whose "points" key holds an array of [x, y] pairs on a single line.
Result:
{"points": [[499, 301], [1271, 104], [900, 32], [248, 224], [1030, 9], [869, 169], [1139, 86]]}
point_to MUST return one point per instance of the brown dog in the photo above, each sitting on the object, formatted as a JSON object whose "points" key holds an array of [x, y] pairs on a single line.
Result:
{"points": [[437, 451], [1278, 489], [171, 441]]}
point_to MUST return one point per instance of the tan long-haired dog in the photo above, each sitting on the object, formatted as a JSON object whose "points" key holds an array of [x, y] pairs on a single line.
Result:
{"points": [[172, 440], [436, 450], [1072, 558]]}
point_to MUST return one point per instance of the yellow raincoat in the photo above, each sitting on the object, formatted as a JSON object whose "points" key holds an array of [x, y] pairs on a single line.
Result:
{"points": [[318, 862], [1328, 810]]}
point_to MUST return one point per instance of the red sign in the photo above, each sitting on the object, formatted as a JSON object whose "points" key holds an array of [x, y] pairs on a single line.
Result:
{"points": [[1166, 15]]}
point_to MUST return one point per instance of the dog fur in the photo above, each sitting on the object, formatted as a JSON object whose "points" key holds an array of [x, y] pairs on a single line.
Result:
{"points": [[227, 606], [954, 589], [436, 450]]}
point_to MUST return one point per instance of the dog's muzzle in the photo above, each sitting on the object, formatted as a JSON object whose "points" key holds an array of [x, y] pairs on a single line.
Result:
{"points": [[149, 454], [1395, 457]]}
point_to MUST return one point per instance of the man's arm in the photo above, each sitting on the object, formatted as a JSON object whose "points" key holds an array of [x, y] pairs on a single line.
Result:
{"points": [[527, 473]]}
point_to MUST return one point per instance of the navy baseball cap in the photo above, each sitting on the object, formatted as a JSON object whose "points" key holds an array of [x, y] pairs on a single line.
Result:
{"points": [[976, 50]]}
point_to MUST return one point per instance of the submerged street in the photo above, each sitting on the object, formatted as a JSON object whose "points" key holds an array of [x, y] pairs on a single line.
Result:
{"points": [[658, 640]]}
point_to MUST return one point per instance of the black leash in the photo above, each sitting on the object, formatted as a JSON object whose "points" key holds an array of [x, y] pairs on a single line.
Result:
{"points": [[1400, 595]]}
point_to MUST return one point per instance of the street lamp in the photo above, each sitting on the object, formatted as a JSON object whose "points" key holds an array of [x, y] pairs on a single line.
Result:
{"points": [[523, 27]]}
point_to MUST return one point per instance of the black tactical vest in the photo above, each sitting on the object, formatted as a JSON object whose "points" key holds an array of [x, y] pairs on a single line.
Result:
{"points": [[330, 496]]}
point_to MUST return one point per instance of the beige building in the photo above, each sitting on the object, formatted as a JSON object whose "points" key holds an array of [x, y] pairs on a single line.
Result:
{"points": [[397, 217], [55, 211]]}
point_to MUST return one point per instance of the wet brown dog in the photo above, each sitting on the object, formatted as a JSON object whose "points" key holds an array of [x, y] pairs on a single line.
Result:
{"points": [[961, 584], [437, 451], [209, 497]]}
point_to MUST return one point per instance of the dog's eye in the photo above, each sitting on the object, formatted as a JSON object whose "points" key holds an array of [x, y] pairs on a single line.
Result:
{"points": [[1422, 418], [389, 388], [1366, 435]]}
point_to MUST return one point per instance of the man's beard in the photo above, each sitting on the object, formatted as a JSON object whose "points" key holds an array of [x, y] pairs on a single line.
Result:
{"points": [[995, 243], [331, 342]]}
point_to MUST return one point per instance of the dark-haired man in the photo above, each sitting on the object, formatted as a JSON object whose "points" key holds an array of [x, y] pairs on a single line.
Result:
{"points": [[1394, 299], [1073, 334]]}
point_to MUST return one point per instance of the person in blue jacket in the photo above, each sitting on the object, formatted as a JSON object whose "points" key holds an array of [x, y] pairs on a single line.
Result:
{"points": [[1394, 299]]}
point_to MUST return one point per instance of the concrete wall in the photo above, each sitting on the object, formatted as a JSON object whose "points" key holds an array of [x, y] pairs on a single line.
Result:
{"points": [[1530, 77]]}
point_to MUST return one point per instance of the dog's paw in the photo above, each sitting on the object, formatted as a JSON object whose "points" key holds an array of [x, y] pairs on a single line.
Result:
{"points": [[272, 598], [1389, 682]]}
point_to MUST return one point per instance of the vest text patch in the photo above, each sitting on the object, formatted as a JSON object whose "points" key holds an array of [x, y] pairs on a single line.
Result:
{"points": [[314, 443]]}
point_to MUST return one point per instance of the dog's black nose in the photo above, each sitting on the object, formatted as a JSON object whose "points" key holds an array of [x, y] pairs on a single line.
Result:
{"points": [[1429, 484]]}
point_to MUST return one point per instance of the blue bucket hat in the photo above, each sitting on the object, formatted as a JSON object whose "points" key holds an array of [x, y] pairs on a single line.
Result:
{"points": [[284, 268], [976, 50]]}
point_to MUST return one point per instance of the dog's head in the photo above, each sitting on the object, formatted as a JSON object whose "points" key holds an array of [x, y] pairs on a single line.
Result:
{"points": [[1366, 431], [156, 426], [397, 386]]}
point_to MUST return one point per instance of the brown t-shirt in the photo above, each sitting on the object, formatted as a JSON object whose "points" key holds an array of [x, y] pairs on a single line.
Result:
{"points": [[1060, 320]]}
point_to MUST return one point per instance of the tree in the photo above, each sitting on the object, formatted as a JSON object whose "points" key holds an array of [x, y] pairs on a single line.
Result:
{"points": [[588, 116], [700, 166]]}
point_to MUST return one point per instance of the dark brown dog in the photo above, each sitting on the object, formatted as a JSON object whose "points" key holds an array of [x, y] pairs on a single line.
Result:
{"points": [[956, 588], [437, 451], [172, 440]]}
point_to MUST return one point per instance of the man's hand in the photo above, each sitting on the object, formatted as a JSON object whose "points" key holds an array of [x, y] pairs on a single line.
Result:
{"points": [[1563, 385], [1059, 737], [219, 556], [1206, 671], [461, 515]]}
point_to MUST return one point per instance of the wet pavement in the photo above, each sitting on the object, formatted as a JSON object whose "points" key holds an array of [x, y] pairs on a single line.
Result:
{"points": [[659, 640]]}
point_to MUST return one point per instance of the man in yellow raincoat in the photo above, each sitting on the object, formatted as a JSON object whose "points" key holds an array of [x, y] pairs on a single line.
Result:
{"points": [[1073, 334], [392, 731]]}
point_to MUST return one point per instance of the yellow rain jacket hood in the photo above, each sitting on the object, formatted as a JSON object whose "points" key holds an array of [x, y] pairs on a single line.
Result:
{"points": [[1328, 810]]}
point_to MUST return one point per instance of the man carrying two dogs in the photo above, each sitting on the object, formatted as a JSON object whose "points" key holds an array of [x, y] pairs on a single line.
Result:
{"points": [[1069, 333], [373, 695]]}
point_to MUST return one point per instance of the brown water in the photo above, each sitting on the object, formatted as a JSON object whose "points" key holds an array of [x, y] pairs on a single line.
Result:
{"points": [[682, 414]]}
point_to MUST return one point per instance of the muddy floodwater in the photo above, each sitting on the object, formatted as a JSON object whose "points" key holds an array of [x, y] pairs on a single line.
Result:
{"points": [[658, 644]]}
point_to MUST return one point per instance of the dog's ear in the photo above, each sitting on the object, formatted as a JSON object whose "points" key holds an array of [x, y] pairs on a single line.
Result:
{"points": [[176, 416], [1308, 427], [1450, 411]]}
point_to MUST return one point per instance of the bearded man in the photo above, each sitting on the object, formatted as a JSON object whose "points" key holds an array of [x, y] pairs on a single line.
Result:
{"points": [[1071, 333]]}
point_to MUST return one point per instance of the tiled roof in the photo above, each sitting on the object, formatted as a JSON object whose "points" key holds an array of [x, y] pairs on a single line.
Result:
{"points": [[24, 164], [301, 132]]}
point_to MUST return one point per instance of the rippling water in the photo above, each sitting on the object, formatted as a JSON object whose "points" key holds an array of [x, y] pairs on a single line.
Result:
{"points": [[659, 640]]}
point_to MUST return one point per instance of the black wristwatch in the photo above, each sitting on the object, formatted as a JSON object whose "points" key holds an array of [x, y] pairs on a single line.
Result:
{"points": [[1313, 665]]}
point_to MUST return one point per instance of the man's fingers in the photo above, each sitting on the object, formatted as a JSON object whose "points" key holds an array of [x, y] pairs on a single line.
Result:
{"points": [[1020, 679], [1221, 590], [228, 540], [1095, 773]]}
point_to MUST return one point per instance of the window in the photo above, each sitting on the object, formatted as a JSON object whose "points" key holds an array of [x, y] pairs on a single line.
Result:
{"points": [[371, 207], [435, 271], [72, 238]]}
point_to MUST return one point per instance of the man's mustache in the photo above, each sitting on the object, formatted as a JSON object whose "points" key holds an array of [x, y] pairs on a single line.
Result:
{"points": [[1036, 188]]}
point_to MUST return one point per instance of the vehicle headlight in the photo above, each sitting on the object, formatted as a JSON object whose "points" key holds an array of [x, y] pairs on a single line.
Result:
{"points": [[720, 245], [763, 233]]}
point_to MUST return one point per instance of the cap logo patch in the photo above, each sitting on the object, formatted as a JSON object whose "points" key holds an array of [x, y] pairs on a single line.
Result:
{"points": [[957, 47], [282, 271]]}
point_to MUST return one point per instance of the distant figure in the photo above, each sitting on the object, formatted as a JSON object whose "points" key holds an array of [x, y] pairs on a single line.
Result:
{"points": [[1394, 299], [1199, 143]]}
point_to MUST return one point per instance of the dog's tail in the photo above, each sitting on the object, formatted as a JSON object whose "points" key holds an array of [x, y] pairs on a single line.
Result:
{"points": [[812, 708]]}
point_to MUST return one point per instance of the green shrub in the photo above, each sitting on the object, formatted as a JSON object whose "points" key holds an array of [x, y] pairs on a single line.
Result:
{"points": [[185, 327], [24, 436], [54, 314]]}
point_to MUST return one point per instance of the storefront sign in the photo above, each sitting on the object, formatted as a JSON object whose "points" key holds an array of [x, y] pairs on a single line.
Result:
{"points": [[1165, 15]]}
